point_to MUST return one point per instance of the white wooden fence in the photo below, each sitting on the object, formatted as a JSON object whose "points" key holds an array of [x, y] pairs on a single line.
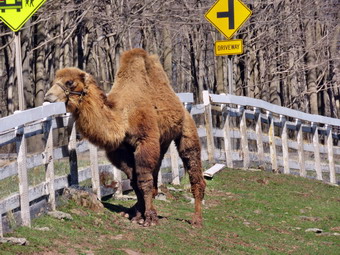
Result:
{"points": [[298, 142], [243, 123]]}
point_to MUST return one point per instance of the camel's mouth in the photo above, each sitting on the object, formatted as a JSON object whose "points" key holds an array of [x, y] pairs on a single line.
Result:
{"points": [[50, 98]]}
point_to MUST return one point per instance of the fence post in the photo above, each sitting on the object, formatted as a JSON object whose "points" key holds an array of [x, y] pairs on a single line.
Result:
{"points": [[316, 144], [285, 152], [301, 151], [117, 175], [74, 180], [272, 144], [49, 162], [332, 178], [244, 137], [227, 142], [1, 229], [258, 131], [209, 126], [23, 178], [174, 164], [94, 170]]}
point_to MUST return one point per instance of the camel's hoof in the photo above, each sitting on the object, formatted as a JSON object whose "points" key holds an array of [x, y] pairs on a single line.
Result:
{"points": [[197, 222], [150, 223], [151, 219], [137, 220]]}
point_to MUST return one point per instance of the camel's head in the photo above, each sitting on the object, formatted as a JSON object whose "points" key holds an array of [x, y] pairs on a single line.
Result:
{"points": [[69, 86]]}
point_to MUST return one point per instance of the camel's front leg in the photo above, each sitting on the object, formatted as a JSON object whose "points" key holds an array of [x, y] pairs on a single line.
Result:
{"points": [[146, 158]]}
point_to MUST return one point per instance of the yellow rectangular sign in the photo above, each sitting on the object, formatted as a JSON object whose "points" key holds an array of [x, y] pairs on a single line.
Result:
{"points": [[230, 47]]}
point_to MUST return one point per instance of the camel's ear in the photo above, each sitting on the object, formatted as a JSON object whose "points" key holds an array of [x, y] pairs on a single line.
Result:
{"points": [[85, 77]]}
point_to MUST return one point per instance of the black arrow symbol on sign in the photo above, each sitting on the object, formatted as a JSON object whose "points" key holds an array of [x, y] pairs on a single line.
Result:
{"points": [[229, 14]]}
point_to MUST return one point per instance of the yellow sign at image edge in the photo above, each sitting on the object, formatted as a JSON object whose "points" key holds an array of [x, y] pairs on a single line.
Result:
{"points": [[231, 47], [227, 16], [15, 13]]}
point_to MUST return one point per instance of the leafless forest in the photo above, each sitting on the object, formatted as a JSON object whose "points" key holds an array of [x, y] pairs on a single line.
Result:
{"points": [[291, 53]]}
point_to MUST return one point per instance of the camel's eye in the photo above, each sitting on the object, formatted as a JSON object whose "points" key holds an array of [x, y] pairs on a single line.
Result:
{"points": [[69, 83]]}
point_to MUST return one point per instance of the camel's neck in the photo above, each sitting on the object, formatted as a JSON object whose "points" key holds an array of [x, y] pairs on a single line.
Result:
{"points": [[99, 120]]}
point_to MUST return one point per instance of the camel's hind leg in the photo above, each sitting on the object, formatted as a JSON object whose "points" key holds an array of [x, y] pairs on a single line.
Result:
{"points": [[189, 150], [124, 160]]}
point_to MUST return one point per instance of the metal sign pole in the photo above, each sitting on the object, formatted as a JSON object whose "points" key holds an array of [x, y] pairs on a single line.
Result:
{"points": [[230, 74], [18, 68]]}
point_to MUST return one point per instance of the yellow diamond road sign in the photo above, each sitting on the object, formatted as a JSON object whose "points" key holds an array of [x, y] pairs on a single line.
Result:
{"points": [[228, 16], [15, 13]]}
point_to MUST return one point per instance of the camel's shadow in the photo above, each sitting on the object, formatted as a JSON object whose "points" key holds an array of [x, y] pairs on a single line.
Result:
{"points": [[115, 208], [122, 209]]}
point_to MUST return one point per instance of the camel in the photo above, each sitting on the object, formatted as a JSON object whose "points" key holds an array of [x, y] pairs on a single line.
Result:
{"points": [[135, 124]]}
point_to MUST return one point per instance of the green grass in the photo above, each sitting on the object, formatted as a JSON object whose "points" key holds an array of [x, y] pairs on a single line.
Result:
{"points": [[244, 213]]}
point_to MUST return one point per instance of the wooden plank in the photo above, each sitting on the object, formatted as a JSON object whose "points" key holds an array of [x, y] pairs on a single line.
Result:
{"points": [[49, 163], [213, 170], [300, 149], [23, 178], [316, 144], [209, 127], [279, 110], [332, 177], [227, 142], [33, 129], [197, 109], [95, 170], [285, 150], [186, 97], [174, 164], [272, 143], [259, 135], [244, 139], [23, 117]]}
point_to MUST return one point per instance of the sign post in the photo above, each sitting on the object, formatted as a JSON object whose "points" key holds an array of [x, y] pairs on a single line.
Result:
{"points": [[227, 16], [15, 13], [18, 67]]}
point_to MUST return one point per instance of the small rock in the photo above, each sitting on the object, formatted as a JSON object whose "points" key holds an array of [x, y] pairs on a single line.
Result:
{"points": [[263, 181], [161, 196], [328, 234], [79, 212], [314, 230], [337, 229], [125, 198], [131, 252], [84, 198], [118, 237], [98, 222], [190, 199], [307, 218], [60, 215], [42, 229], [174, 189], [14, 240]]}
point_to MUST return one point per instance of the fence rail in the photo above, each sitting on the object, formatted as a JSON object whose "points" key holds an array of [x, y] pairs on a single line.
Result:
{"points": [[251, 133]]}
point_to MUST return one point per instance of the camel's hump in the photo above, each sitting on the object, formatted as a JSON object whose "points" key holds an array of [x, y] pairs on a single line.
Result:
{"points": [[130, 55]]}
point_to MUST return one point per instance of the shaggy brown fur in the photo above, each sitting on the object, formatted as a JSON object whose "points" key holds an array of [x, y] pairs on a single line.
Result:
{"points": [[135, 124]]}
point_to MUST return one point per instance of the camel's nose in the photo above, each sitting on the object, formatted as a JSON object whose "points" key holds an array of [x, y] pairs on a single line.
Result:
{"points": [[49, 97]]}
